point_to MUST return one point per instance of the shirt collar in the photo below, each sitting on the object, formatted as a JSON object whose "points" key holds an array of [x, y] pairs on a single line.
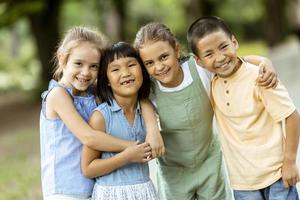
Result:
{"points": [[114, 106]]}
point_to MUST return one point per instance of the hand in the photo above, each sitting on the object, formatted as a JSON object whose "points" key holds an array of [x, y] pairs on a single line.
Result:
{"points": [[290, 174], [157, 144], [267, 74], [138, 153]]}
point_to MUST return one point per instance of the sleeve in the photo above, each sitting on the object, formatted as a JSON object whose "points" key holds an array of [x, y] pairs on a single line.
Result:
{"points": [[277, 102], [206, 77]]}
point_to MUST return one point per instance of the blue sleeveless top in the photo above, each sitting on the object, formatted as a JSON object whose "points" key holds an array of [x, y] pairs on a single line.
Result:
{"points": [[61, 150], [117, 125]]}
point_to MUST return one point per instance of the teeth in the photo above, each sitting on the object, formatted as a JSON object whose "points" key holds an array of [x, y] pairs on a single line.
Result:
{"points": [[126, 82]]}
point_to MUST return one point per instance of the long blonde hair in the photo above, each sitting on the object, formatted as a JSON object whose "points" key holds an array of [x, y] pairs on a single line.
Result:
{"points": [[72, 39]]}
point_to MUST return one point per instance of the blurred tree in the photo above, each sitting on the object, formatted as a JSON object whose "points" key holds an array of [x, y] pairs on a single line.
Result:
{"points": [[43, 17], [274, 21]]}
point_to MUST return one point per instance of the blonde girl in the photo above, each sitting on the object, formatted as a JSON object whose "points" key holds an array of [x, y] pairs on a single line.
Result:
{"points": [[66, 106], [192, 166]]}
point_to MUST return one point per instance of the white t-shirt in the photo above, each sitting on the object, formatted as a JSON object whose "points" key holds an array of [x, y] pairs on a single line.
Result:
{"points": [[204, 75]]}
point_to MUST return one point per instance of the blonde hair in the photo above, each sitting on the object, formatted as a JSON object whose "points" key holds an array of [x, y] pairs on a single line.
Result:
{"points": [[155, 32], [72, 38]]}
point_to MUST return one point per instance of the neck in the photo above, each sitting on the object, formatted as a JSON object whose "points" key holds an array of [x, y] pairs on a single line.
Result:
{"points": [[177, 79], [128, 104]]}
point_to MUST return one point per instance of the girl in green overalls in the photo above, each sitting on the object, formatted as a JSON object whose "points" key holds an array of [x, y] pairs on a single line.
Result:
{"points": [[192, 167]]}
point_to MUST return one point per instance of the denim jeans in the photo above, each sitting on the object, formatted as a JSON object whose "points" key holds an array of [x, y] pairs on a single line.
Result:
{"points": [[276, 191]]}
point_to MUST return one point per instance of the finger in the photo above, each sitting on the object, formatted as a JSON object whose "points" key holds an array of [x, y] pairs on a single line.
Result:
{"points": [[285, 184], [147, 149], [277, 81], [137, 142], [273, 83], [147, 159], [145, 144], [163, 150], [154, 153], [261, 68], [266, 82], [294, 181], [265, 76]]}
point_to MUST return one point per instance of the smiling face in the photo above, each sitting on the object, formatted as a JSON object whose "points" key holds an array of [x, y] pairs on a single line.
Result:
{"points": [[81, 69], [124, 77], [217, 53], [161, 62]]}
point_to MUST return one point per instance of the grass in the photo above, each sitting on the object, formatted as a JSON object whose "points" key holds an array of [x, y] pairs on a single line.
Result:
{"points": [[20, 166]]}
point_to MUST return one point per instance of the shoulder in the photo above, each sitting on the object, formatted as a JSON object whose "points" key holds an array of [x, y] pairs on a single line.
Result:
{"points": [[58, 94]]}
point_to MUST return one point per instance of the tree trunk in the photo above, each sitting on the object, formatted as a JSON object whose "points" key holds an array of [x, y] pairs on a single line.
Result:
{"points": [[274, 21], [45, 29]]}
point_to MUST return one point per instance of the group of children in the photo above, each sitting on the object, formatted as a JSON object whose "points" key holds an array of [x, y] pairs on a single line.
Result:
{"points": [[99, 130]]}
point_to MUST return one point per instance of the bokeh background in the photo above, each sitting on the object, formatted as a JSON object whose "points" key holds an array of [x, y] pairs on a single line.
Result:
{"points": [[30, 30]]}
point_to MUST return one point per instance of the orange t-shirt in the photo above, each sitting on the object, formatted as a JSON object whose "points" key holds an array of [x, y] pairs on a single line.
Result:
{"points": [[250, 119]]}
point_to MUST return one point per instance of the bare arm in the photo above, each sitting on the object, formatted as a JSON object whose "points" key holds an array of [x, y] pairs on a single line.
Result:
{"points": [[153, 134], [91, 164], [290, 174], [60, 102], [267, 73]]}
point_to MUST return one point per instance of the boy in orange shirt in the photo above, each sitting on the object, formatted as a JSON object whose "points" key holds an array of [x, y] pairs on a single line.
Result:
{"points": [[259, 127]]}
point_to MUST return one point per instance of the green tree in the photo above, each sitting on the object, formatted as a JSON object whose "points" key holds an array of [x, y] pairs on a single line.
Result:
{"points": [[43, 16]]}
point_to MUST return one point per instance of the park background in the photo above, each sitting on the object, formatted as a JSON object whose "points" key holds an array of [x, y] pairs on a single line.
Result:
{"points": [[30, 30]]}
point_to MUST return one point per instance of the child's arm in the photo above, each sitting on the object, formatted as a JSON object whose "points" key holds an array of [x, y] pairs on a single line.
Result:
{"points": [[267, 73], [290, 174], [62, 104], [91, 164], [153, 136]]}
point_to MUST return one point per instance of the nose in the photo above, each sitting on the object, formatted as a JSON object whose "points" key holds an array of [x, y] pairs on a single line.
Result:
{"points": [[126, 72], [220, 57], [85, 71], [159, 66]]}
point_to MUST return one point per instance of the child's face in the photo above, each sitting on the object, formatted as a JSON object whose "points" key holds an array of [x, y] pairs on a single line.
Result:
{"points": [[161, 62], [217, 53], [125, 77], [81, 69]]}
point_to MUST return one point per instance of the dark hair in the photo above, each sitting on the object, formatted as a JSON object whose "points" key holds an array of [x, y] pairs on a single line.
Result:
{"points": [[116, 51], [203, 26]]}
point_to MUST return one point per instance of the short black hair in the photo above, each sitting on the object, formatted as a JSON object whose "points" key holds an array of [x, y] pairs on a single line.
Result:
{"points": [[116, 51], [203, 26]]}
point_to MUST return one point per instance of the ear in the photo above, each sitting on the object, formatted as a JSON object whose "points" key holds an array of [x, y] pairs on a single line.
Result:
{"points": [[177, 50], [198, 60], [235, 42]]}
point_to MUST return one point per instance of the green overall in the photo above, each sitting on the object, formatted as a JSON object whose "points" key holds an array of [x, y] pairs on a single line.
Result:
{"points": [[192, 165]]}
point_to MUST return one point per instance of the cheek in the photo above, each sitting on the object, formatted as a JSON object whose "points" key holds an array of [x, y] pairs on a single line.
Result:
{"points": [[150, 70]]}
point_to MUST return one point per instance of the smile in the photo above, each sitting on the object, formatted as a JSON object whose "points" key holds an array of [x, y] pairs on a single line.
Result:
{"points": [[127, 82], [163, 73], [224, 65], [82, 80]]}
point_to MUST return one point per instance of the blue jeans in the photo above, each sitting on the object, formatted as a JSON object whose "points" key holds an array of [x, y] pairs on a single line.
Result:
{"points": [[276, 191]]}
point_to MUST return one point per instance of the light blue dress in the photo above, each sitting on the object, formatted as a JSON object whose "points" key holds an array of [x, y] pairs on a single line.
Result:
{"points": [[61, 150], [132, 181]]}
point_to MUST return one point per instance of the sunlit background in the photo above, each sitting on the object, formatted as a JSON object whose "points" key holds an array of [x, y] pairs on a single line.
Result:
{"points": [[30, 30]]}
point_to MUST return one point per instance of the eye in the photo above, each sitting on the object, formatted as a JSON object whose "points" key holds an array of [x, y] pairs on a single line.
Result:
{"points": [[224, 46], [78, 64], [132, 65], [207, 55], [114, 69], [95, 67], [148, 63], [164, 57]]}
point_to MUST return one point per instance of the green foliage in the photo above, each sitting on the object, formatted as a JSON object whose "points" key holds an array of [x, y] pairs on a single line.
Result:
{"points": [[11, 11], [253, 48], [18, 71]]}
